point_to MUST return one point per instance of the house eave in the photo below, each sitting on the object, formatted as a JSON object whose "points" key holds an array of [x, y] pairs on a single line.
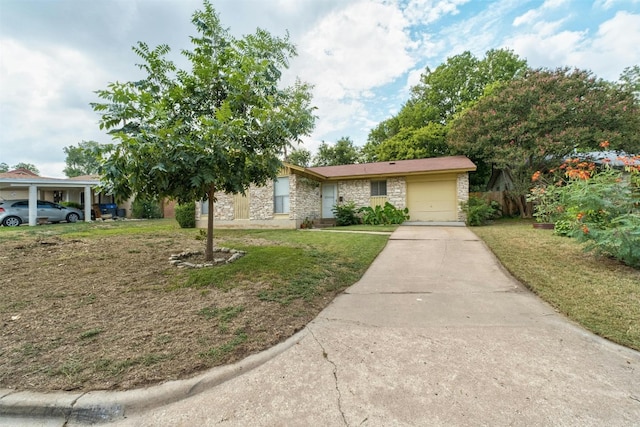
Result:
{"points": [[399, 174]]}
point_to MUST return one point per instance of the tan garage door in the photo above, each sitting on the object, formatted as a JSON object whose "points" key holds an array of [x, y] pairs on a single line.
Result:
{"points": [[433, 199]]}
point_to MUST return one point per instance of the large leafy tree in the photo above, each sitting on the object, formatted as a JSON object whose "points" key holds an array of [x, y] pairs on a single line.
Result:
{"points": [[630, 80], [300, 157], [4, 167], [532, 122], [221, 126], [440, 95], [343, 152], [426, 141], [83, 159]]}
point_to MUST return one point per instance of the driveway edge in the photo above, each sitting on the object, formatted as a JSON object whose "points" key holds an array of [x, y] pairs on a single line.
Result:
{"points": [[104, 406]]}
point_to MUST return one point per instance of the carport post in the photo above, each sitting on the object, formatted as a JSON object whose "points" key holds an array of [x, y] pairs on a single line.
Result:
{"points": [[87, 203], [33, 205]]}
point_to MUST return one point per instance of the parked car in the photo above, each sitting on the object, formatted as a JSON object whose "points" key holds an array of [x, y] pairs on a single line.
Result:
{"points": [[15, 212]]}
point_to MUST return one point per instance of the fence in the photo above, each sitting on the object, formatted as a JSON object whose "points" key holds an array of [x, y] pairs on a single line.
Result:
{"points": [[509, 207]]}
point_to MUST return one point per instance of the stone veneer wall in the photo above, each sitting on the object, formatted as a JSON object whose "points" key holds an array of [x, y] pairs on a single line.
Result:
{"points": [[261, 202], [223, 207], [462, 184], [305, 201], [359, 191]]}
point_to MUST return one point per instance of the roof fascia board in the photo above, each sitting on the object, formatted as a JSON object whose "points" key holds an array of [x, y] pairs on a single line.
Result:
{"points": [[398, 174], [305, 172]]}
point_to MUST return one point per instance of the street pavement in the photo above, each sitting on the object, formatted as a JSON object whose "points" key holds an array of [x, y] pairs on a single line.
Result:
{"points": [[435, 333]]}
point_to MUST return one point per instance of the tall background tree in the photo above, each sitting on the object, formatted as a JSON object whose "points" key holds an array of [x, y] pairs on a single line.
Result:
{"points": [[28, 166], [343, 152], [83, 159], [4, 167], [630, 80], [299, 157], [221, 126], [420, 128], [532, 122]]}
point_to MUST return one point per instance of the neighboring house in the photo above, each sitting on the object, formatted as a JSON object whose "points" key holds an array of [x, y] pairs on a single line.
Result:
{"points": [[24, 184], [431, 188]]}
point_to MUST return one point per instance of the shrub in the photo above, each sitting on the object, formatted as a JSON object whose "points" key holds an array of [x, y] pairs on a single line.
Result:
{"points": [[186, 215], [479, 210], [71, 205], [145, 208], [604, 212], [346, 214], [386, 215]]}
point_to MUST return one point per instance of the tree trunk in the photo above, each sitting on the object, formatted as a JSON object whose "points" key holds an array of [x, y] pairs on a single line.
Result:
{"points": [[208, 254]]}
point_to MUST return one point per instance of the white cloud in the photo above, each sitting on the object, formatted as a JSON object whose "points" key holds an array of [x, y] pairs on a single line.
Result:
{"points": [[45, 94], [608, 4], [428, 11], [606, 53], [355, 49], [527, 18], [348, 53], [615, 45], [531, 16]]}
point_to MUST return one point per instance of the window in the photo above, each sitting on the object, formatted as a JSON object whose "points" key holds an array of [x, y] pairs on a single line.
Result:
{"points": [[281, 195], [378, 188]]}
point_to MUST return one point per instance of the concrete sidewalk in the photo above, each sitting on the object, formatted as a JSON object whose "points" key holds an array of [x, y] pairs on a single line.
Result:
{"points": [[435, 333]]}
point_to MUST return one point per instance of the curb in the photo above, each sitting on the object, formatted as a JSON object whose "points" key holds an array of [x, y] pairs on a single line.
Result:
{"points": [[95, 407]]}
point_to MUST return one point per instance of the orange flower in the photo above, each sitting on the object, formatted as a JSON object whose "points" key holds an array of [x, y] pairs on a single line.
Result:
{"points": [[604, 144], [580, 216], [536, 176], [585, 229]]}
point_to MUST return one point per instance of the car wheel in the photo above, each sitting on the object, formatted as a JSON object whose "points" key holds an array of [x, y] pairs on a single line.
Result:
{"points": [[11, 221], [73, 217]]}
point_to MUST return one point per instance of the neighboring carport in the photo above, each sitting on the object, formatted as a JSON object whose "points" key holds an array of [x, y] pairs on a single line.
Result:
{"points": [[21, 184]]}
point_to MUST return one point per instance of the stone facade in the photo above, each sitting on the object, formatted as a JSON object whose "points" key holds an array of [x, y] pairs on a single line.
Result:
{"points": [[261, 202], [462, 185], [305, 201], [359, 191], [223, 207]]}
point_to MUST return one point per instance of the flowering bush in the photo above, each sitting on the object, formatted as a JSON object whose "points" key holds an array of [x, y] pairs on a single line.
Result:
{"points": [[599, 207]]}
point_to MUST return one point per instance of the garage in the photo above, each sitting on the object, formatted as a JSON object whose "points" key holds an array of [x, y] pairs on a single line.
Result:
{"points": [[433, 198]]}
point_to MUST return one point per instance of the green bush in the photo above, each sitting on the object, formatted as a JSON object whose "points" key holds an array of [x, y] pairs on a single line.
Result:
{"points": [[186, 215], [145, 209], [346, 214], [604, 212], [71, 205], [386, 215], [479, 210]]}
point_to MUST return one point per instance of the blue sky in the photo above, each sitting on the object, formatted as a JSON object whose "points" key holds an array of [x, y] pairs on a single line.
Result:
{"points": [[361, 55]]}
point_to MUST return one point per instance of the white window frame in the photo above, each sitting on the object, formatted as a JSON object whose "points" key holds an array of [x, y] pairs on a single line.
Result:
{"points": [[281, 195]]}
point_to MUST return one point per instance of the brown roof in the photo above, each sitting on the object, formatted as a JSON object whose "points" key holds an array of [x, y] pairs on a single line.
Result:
{"points": [[19, 173], [85, 178], [397, 167]]}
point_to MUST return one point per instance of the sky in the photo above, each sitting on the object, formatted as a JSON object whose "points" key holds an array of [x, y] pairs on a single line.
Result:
{"points": [[362, 56]]}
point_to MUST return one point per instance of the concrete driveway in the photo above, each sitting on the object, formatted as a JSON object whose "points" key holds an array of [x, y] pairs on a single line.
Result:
{"points": [[435, 333]]}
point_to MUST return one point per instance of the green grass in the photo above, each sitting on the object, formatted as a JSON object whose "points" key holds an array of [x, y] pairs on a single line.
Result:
{"points": [[218, 352], [295, 264], [601, 294], [363, 227]]}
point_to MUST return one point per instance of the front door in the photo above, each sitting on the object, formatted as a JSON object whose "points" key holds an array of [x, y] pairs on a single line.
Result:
{"points": [[328, 200]]}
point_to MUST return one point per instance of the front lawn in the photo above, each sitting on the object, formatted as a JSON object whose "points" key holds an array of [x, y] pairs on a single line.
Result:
{"points": [[98, 306], [600, 293]]}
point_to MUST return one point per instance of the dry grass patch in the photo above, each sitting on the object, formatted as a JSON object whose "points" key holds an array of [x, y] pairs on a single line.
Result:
{"points": [[98, 306], [600, 293]]}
